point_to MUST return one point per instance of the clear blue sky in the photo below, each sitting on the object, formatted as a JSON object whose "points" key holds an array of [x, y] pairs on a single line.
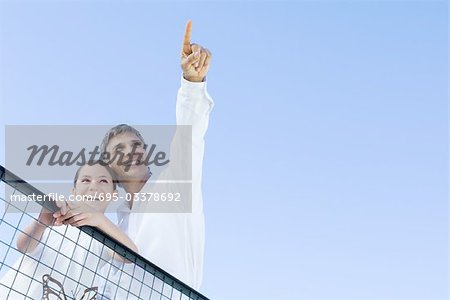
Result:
{"points": [[326, 166]]}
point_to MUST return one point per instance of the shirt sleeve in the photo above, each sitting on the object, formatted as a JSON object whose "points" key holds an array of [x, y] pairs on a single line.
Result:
{"points": [[174, 240], [184, 172], [194, 106]]}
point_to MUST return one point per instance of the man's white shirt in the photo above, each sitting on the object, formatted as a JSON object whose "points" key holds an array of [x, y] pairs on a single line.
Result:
{"points": [[173, 241]]}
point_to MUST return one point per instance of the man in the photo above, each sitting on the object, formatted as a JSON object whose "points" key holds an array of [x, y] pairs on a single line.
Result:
{"points": [[172, 241]]}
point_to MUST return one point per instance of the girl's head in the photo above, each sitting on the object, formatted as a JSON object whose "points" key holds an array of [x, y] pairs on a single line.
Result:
{"points": [[96, 182]]}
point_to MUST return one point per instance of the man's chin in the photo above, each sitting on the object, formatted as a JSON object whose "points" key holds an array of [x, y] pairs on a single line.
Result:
{"points": [[134, 173]]}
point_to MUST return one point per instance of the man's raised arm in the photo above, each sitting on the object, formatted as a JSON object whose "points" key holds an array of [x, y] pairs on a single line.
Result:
{"points": [[193, 106]]}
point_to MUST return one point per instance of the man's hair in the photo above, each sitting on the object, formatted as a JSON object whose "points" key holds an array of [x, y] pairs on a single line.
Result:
{"points": [[116, 130], [96, 162]]}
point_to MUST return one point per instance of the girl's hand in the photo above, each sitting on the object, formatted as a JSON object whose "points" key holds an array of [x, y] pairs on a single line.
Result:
{"points": [[63, 206], [80, 214]]}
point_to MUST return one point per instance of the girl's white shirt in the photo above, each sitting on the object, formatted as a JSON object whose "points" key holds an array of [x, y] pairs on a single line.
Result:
{"points": [[66, 254]]}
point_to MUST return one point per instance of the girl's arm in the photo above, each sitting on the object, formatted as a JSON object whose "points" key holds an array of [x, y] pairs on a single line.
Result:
{"points": [[30, 237]]}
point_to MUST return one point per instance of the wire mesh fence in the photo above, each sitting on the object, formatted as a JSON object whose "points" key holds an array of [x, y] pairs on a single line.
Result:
{"points": [[70, 262]]}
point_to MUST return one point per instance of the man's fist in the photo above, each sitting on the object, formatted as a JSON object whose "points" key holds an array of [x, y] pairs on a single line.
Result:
{"points": [[195, 59]]}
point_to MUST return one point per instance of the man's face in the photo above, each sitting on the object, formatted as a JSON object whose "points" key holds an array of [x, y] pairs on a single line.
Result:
{"points": [[131, 167]]}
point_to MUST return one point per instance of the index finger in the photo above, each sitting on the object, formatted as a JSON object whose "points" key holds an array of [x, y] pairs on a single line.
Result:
{"points": [[187, 38]]}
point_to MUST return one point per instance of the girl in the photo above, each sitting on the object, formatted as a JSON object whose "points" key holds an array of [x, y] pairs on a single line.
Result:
{"points": [[58, 258]]}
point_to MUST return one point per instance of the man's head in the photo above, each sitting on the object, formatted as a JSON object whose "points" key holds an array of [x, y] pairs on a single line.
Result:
{"points": [[119, 129], [126, 145]]}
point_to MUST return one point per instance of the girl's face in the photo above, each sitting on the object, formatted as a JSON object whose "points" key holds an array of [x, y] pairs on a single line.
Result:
{"points": [[96, 183]]}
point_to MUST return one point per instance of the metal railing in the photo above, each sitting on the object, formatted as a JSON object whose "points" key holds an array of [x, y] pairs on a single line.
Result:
{"points": [[50, 268]]}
